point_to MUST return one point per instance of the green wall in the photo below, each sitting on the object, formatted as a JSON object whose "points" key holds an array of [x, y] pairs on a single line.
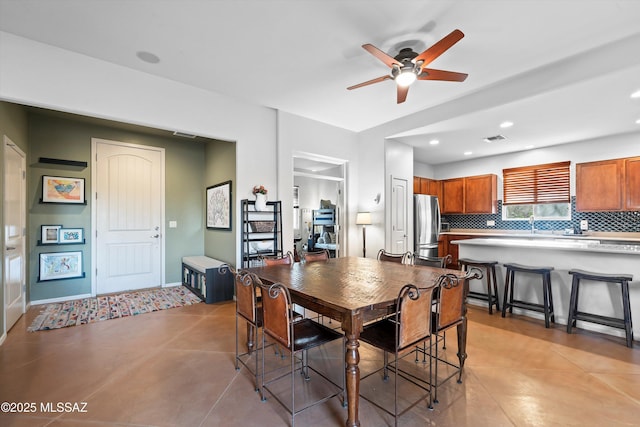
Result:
{"points": [[221, 167], [13, 123], [69, 137]]}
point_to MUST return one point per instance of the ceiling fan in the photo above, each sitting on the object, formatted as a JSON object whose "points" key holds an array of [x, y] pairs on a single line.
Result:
{"points": [[408, 66]]}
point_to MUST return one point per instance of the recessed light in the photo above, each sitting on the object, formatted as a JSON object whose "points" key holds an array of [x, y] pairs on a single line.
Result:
{"points": [[147, 57], [434, 142], [529, 147], [636, 94], [506, 124], [638, 121], [468, 153]]}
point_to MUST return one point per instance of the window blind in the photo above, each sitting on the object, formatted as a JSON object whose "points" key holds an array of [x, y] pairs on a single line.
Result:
{"points": [[548, 183]]}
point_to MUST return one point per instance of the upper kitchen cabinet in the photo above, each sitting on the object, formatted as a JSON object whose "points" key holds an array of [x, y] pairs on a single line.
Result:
{"points": [[600, 186], [426, 186], [481, 194], [471, 195], [452, 196], [632, 183]]}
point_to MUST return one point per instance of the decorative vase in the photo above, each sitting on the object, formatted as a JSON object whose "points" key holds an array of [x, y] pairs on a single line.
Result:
{"points": [[261, 202]]}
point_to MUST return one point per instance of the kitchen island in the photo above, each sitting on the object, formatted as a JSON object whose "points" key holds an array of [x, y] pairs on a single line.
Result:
{"points": [[564, 254]]}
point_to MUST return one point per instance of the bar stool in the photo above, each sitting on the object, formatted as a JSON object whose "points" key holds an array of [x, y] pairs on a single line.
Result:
{"points": [[614, 322], [490, 267], [509, 302]]}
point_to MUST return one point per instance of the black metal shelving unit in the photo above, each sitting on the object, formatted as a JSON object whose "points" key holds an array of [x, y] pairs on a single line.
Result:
{"points": [[258, 237]]}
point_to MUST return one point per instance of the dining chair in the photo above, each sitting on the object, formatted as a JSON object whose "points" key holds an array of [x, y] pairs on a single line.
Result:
{"points": [[249, 310], [405, 258], [438, 262], [296, 338], [275, 260], [449, 312], [322, 255], [411, 326]]}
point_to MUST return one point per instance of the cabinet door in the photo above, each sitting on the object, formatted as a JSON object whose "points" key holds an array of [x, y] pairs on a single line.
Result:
{"points": [[453, 195], [599, 185], [416, 185], [632, 183], [480, 194], [424, 185], [435, 189]]}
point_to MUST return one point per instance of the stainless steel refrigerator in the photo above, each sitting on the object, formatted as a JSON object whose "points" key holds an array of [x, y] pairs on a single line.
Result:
{"points": [[426, 225]]}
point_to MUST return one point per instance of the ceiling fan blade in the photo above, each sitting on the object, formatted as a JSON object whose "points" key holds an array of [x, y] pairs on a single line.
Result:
{"points": [[402, 93], [370, 82], [450, 76], [389, 60], [440, 47]]}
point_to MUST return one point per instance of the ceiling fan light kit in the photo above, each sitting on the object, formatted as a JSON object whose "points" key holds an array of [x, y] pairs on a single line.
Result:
{"points": [[408, 66]]}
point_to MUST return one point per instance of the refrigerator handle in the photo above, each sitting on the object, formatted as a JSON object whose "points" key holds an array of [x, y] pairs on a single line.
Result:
{"points": [[439, 220], [417, 222]]}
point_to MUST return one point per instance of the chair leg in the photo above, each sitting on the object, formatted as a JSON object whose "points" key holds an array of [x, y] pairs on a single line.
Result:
{"points": [[626, 306], [572, 304], [551, 309], [545, 293], [385, 370], [304, 371], [507, 283], [495, 287]]}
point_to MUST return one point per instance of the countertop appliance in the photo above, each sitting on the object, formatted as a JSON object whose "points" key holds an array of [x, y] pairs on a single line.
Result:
{"points": [[426, 225]]}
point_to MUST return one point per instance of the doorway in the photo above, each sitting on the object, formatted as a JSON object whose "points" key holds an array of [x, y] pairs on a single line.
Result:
{"points": [[127, 216], [15, 220], [320, 182]]}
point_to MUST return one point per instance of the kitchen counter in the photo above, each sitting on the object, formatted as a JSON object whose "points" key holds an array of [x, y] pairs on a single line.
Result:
{"points": [[547, 234], [597, 255]]}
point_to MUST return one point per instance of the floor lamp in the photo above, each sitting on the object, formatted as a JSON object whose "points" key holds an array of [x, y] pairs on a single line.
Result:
{"points": [[364, 219]]}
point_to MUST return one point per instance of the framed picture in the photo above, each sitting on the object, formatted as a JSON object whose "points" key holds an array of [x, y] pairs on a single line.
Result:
{"points": [[59, 189], [50, 234], [60, 265], [219, 206], [71, 235]]}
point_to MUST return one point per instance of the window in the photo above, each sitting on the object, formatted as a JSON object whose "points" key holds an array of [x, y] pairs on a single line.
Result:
{"points": [[542, 191]]}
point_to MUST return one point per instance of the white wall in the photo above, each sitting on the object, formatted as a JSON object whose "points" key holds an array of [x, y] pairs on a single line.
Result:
{"points": [[41, 75], [300, 135], [627, 145]]}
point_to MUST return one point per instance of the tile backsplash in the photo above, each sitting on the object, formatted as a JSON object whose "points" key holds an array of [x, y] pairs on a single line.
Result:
{"points": [[598, 221]]}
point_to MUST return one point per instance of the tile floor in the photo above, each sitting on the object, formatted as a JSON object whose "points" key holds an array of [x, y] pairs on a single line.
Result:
{"points": [[176, 368]]}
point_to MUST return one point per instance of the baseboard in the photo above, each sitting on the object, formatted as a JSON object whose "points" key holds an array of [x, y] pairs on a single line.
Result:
{"points": [[171, 285], [60, 299], [3, 337]]}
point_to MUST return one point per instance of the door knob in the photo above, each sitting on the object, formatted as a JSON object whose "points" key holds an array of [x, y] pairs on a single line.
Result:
{"points": [[156, 236], [9, 248]]}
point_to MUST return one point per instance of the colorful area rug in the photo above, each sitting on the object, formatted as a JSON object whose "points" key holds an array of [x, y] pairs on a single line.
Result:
{"points": [[89, 310]]}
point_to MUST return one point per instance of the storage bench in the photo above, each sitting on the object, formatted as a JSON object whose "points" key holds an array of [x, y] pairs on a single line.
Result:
{"points": [[203, 276]]}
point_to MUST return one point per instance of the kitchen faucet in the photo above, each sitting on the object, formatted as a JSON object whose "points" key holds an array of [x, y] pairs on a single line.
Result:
{"points": [[532, 221]]}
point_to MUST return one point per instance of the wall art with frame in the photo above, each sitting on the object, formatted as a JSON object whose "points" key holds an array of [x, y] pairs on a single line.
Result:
{"points": [[219, 206], [71, 236], [60, 265], [60, 189], [50, 234]]}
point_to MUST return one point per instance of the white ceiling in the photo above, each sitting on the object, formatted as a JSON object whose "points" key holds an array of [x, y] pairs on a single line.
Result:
{"points": [[561, 70]]}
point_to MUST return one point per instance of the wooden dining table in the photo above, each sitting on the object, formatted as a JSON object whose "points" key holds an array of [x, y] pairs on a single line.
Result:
{"points": [[353, 291]]}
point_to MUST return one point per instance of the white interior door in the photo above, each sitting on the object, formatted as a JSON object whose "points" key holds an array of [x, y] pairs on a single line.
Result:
{"points": [[15, 218], [398, 215], [128, 204]]}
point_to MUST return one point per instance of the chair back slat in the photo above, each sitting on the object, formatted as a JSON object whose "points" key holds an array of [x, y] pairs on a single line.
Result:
{"points": [[414, 313], [246, 297], [438, 262], [285, 259], [276, 312], [450, 300], [405, 258], [322, 255]]}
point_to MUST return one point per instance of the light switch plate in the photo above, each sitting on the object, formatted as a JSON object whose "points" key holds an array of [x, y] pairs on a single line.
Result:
{"points": [[491, 223], [584, 224], [173, 224]]}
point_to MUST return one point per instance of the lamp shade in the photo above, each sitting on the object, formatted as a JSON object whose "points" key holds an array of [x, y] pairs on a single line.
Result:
{"points": [[363, 218]]}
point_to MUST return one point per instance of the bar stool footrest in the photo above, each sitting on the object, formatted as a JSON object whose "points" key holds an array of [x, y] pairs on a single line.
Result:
{"points": [[613, 322], [527, 306], [482, 296]]}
